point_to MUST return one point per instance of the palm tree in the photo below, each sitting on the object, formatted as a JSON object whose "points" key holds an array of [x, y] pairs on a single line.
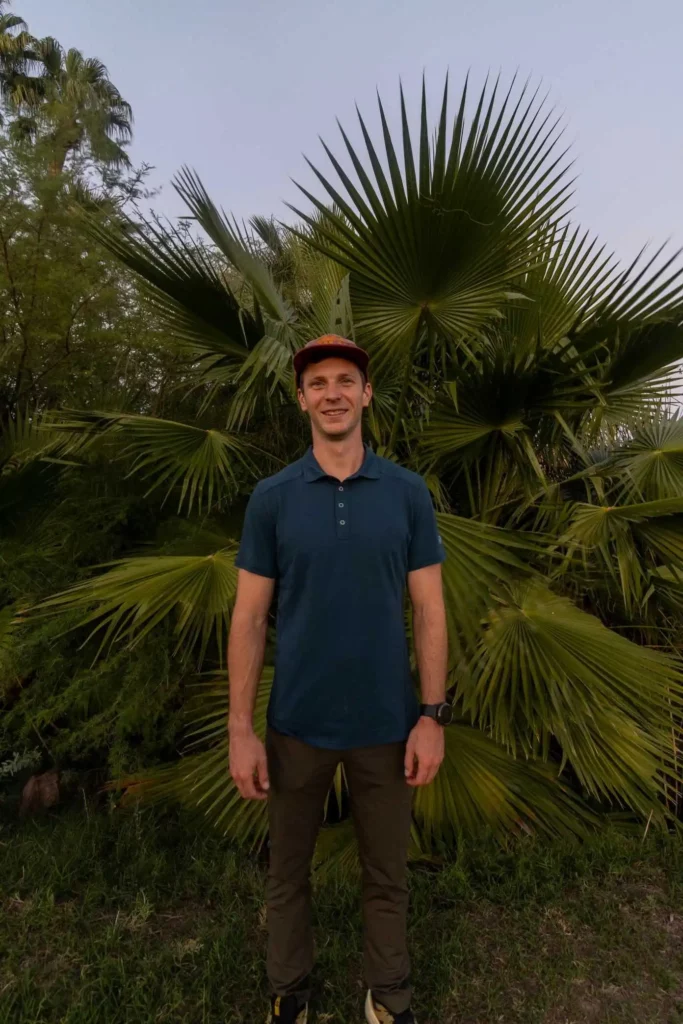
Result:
{"points": [[75, 105], [524, 373], [17, 58]]}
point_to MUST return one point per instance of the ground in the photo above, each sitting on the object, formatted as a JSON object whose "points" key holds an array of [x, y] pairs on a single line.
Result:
{"points": [[120, 918]]}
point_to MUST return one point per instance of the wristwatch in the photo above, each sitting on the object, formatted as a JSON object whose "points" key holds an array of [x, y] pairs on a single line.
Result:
{"points": [[441, 713]]}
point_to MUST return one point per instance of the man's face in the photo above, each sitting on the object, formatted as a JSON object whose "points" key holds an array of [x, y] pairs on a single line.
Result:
{"points": [[334, 395]]}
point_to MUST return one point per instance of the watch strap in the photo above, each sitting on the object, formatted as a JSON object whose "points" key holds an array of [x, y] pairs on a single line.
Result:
{"points": [[431, 710], [434, 711]]}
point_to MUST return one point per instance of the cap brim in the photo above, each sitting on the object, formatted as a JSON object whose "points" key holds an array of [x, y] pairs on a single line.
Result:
{"points": [[316, 353]]}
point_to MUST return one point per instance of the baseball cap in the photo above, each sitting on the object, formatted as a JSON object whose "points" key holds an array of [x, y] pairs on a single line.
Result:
{"points": [[328, 346]]}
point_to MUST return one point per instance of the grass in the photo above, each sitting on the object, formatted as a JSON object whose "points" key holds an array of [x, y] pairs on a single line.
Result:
{"points": [[108, 918]]}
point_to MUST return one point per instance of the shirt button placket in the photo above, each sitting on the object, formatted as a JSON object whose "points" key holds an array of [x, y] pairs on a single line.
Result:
{"points": [[342, 511]]}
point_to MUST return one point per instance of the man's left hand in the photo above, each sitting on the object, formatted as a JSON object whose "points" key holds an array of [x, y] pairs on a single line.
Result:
{"points": [[424, 752]]}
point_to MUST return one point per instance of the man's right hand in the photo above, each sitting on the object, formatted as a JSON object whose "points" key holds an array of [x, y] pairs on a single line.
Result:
{"points": [[249, 766]]}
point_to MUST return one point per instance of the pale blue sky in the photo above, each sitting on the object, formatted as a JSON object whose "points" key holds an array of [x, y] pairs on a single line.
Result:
{"points": [[239, 89]]}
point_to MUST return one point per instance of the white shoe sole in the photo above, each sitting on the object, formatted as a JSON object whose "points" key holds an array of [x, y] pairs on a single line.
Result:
{"points": [[370, 1015]]}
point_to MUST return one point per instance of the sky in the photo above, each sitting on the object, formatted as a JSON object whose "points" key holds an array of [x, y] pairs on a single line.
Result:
{"points": [[241, 89]]}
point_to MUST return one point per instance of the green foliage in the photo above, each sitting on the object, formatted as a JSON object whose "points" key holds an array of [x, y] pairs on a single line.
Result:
{"points": [[74, 104], [106, 716], [132, 598], [437, 246], [206, 463], [61, 98], [73, 332], [110, 716], [71, 327], [514, 364]]}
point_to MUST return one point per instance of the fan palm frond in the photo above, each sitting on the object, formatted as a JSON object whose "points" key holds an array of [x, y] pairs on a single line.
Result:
{"points": [[630, 540], [433, 250], [479, 560], [184, 287], [198, 463], [481, 785], [650, 463], [228, 240], [546, 669], [27, 438], [135, 594]]}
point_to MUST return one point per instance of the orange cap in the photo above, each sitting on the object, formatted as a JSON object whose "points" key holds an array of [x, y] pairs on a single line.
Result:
{"points": [[330, 345]]}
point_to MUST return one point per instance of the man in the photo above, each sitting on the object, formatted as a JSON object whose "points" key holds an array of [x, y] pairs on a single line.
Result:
{"points": [[340, 532]]}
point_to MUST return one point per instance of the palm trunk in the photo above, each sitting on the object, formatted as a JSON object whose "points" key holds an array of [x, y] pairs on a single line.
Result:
{"points": [[65, 138], [56, 166]]}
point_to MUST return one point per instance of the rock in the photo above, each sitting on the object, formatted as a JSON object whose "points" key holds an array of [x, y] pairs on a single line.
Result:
{"points": [[39, 793]]}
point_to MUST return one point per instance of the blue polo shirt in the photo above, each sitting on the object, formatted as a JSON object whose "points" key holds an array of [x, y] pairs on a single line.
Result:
{"points": [[340, 552]]}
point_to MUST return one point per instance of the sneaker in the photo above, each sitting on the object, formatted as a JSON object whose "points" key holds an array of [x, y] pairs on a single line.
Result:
{"points": [[287, 1010], [375, 1013]]}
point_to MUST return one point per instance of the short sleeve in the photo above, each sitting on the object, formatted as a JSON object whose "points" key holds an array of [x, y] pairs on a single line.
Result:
{"points": [[258, 550], [426, 546]]}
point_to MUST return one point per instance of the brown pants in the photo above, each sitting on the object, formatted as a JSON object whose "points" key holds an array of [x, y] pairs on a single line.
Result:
{"points": [[300, 779]]}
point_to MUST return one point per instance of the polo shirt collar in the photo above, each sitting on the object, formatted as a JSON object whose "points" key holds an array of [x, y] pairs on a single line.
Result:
{"points": [[312, 471]]}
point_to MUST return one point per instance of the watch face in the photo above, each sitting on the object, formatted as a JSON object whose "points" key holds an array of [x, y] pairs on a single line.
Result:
{"points": [[445, 714]]}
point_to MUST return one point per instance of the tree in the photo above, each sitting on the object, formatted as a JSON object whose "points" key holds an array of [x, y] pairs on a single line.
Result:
{"points": [[76, 103], [17, 58], [522, 371], [73, 331], [70, 320], [61, 96]]}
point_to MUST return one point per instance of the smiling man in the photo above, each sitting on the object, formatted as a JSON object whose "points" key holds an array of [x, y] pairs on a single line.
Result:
{"points": [[342, 533]]}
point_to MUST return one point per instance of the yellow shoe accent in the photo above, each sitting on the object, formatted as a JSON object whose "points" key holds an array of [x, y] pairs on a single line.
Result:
{"points": [[302, 1016]]}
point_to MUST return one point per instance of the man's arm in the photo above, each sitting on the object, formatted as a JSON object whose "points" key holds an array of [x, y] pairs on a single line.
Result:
{"points": [[425, 747], [246, 647]]}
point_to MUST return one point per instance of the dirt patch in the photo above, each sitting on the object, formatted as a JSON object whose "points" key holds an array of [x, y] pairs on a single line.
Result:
{"points": [[180, 923], [595, 1004], [648, 935]]}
